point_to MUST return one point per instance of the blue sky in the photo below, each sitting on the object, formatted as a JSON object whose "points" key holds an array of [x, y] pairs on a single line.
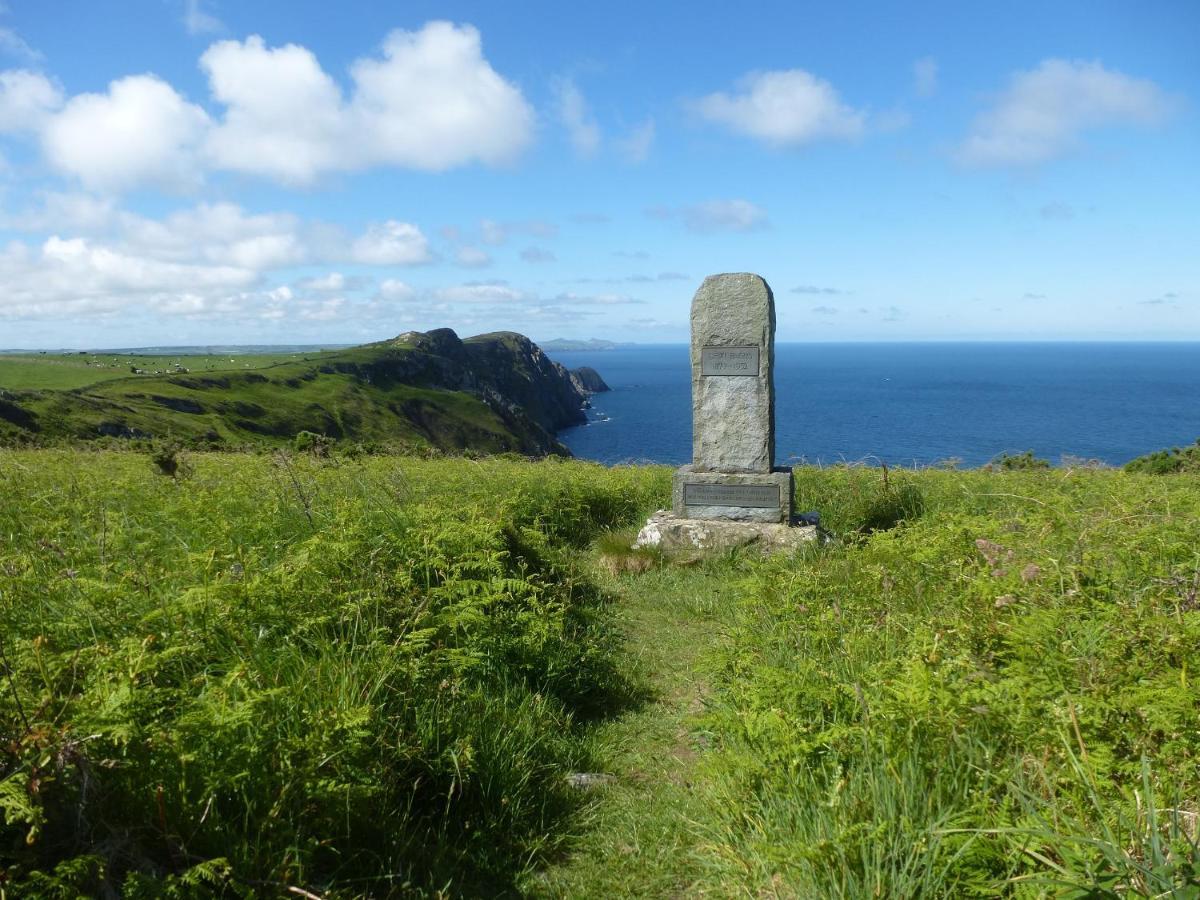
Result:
{"points": [[199, 171]]}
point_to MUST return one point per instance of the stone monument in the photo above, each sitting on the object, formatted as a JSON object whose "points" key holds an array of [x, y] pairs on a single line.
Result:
{"points": [[731, 493]]}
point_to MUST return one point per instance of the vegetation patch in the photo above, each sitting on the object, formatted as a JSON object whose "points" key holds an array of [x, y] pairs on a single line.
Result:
{"points": [[354, 678], [995, 697]]}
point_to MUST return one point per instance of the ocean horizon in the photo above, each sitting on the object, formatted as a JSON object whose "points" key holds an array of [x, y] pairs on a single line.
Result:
{"points": [[913, 403]]}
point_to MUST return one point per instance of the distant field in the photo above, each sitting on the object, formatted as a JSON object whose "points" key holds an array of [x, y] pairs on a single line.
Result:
{"points": [[66, 371]]}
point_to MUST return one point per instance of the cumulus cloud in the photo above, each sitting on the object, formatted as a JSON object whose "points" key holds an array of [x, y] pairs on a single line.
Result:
{"points": [[284, 116], [332, 283], [785, 108], [925, 76], [219, 233], [27, 99], [434, 102], [392, 243], [139, 132], [573, 114], [74, 276], [393, 290], [1044, 111], [202, 261], [429, 101]]}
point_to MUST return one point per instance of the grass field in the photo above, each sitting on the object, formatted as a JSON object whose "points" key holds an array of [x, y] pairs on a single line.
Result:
{"points": [[364, 678], [68, 371]]}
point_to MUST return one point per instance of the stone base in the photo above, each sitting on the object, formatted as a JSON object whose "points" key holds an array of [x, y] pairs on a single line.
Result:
{"points": [[732, 497], [677, 536]]}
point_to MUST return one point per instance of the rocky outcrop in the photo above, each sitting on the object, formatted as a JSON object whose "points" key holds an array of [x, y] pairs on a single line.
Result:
{"points": [[589, 379]]}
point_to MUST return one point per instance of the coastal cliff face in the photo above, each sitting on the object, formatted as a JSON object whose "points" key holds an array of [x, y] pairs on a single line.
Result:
{"points": [[491, 393]]}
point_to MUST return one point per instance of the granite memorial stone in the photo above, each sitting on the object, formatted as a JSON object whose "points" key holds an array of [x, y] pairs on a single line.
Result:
{"points": [[732, 475], [731, 494]]}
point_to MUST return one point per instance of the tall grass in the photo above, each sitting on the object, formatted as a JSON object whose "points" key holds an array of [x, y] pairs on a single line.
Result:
{"points": [[891, 710], [352, 678]]}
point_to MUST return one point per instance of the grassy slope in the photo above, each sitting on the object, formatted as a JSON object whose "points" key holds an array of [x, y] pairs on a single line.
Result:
{"points": [[67, 371], [914, 713], [996, 696], [347, 676], [270, 402]]}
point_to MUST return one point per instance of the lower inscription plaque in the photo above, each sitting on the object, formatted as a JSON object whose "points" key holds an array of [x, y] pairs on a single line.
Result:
{"points": [[760, 496]]}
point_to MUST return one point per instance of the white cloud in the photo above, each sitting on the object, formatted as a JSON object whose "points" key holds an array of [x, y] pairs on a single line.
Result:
{"points": [[75, 276], [393, 290], [139, 132], [219, 233], [13, 44], [434, 102], [925, 76], [574, 299], [472, 257], [392, 243], [785, 108], [284, 116], [61, 211], [575, 117], [333, 281], [431, 101], [27, 99], [1044, 110], [814, 289], [479, 293], [538, 255], [497, 233], [197, 21], [493, 232], [322, 310], [635, 146], [716, 215]]}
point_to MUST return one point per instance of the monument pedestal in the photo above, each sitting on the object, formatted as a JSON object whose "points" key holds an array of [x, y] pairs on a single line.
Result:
{"points": [[677, 536], [732, 496]]}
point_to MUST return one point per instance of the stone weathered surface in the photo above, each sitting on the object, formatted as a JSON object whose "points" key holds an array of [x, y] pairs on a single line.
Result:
{"points": [[677, 536], [780, 481], [733, 415]]}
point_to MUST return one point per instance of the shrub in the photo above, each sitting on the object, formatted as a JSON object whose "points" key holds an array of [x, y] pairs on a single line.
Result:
{"points": [[1167, 462], [312, 443], [1009, 462], [169, 458]]}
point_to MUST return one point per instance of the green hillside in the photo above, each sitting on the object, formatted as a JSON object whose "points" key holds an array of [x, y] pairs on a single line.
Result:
{"points": [[68, 371], [392, 676], [490, 393]]}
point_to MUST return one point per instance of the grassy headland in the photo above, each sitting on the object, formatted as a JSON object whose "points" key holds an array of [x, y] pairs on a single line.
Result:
{"points": [[490, 393]]}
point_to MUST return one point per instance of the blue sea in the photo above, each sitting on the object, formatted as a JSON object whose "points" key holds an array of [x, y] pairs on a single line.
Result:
{"points": [[913, 404]]}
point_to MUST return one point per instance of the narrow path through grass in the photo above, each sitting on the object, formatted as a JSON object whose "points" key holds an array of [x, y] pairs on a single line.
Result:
{"points": [[637, 840]]}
